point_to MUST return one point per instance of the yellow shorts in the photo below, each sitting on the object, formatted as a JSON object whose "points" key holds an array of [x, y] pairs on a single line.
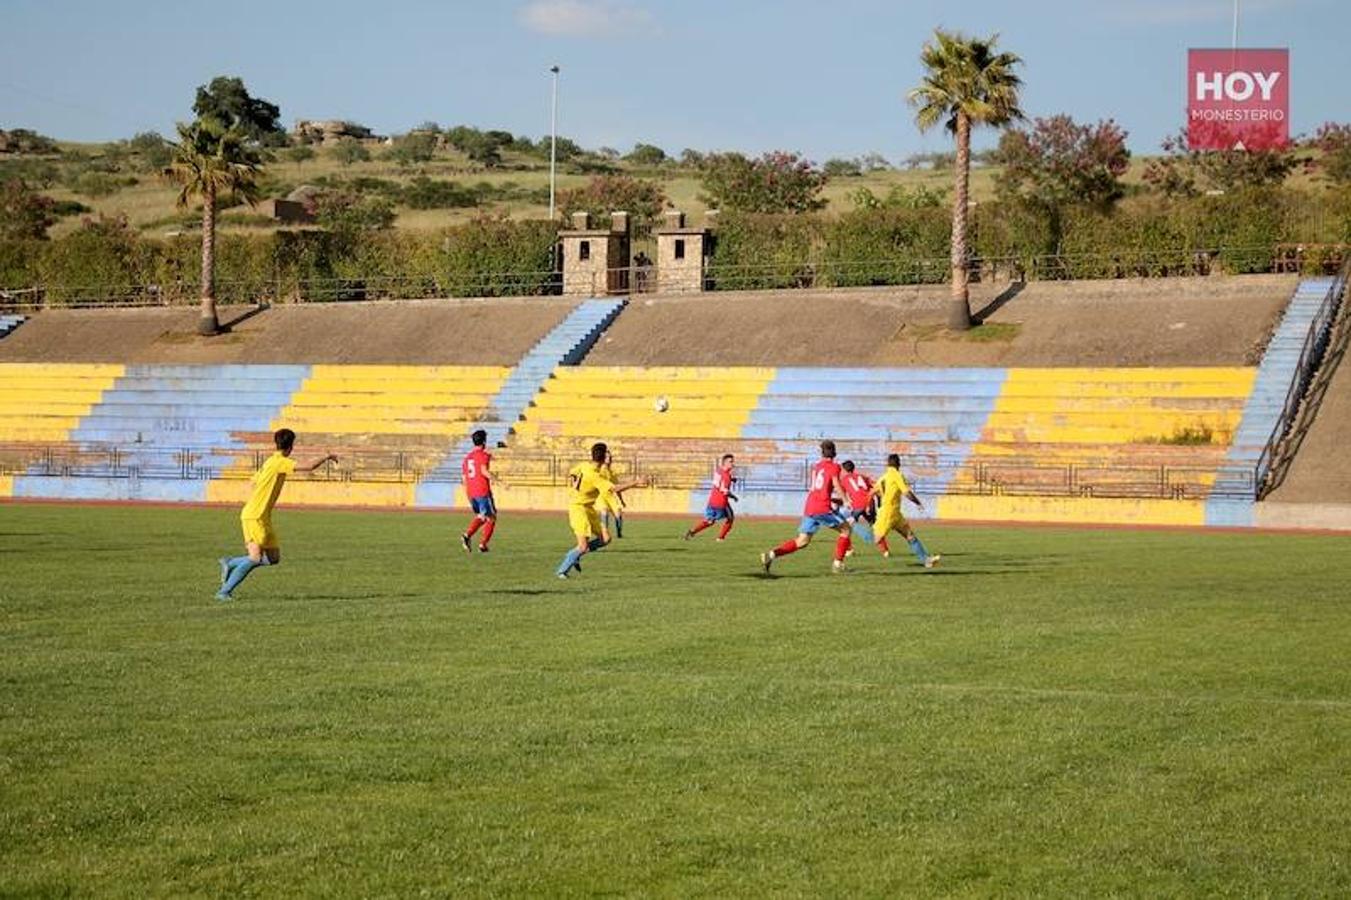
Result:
{"points": [[888, 522], [260, 532], [584, 521]]}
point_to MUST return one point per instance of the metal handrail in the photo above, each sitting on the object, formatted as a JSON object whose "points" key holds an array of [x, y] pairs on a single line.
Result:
{"points": [[813, 273], [954, 474], [1310, 356]]}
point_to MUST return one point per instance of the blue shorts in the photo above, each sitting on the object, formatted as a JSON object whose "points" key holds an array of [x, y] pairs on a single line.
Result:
{"points": [[716, 513], [483, 506], [813, 524]]}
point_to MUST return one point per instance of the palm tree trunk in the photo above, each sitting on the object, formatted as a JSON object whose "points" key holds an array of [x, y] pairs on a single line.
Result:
{"points": [[207, 322], [959, 306]]}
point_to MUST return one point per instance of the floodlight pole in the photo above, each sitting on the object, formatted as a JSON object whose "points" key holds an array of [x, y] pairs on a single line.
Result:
{"points": [[1234, 39], [553, 140]]}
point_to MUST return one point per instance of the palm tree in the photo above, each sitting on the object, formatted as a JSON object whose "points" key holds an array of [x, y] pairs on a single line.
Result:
{"points": [[965, 83], [209, 161]]}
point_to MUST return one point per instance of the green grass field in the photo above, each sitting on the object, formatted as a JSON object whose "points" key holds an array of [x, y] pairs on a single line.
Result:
{"points": [[1053, 712]]}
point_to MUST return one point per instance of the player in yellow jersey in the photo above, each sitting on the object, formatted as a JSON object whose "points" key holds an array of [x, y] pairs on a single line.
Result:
{"points": [[260, 539], [891, 487], [612, 505], [586, 485]]}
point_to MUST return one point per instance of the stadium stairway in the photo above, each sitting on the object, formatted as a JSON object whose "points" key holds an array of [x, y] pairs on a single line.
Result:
{"points": [[9, 322], [1275, 374], [566, 345]]}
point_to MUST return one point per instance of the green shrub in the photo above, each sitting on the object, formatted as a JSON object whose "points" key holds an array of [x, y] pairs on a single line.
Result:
{"points": [[760, 252], [424, 193], [498, 257], [105, 256], [884, 246]]}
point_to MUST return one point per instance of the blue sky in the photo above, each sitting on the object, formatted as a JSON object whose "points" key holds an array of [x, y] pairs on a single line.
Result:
{"points": [[827, 79]]}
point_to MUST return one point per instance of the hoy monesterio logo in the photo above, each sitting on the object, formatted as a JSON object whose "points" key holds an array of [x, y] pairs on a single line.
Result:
{"points": [[1238, 99]]}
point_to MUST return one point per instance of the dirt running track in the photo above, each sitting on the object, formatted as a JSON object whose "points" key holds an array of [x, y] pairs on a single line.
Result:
{"points": [[1155, 322], [446, 332]]}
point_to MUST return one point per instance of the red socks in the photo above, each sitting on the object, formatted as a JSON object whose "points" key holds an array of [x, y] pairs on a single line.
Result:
{"points": [[473, 526], [726, 527], [700, 527], [841, 547], [785, 548], [487, 532], [882, 545]]}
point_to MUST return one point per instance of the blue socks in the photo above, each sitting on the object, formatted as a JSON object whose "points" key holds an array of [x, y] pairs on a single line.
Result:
{"points": [[918, 549], [569, 561], [574, 555], [239, 568]]}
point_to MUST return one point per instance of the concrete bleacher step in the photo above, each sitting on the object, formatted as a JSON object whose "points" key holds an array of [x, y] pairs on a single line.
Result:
{"points": [[185, 405], [566, 345]]}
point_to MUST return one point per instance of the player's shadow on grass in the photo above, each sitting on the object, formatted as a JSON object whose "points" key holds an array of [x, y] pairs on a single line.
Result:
{"points": [[1008, 568], [524, 592]]}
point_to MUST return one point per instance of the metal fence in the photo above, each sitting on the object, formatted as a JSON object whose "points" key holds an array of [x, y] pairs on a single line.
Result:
{"points": [[796, 274], [1005, 476]]}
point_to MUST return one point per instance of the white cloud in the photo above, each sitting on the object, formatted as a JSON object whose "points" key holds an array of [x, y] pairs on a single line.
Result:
{"points": [[584, 18]]}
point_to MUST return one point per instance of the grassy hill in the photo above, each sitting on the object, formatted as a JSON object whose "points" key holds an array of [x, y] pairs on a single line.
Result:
{"points": [[149, 204]]}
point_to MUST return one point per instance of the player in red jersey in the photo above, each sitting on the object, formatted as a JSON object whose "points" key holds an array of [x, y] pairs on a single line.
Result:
{"points": [[862, 505], [820, 511], [478, 486], [718, 509]]}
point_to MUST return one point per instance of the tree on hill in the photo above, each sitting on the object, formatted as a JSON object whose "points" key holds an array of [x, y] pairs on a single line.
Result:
{"points": [[777, 182], [966, 84], [1058, 163], [152, 151], [1183, 172], [1334, 143], [24, 213], [24, 140], [227, 101], [842, 168], [646, 155], [482, 147], [350, 150], [413, 148], [220, 153], [604, 194]]}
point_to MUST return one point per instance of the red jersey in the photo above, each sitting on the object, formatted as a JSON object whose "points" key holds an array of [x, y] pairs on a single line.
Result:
{"points": [[821, 488], [722, 486], [858, 488], [474, 470]]}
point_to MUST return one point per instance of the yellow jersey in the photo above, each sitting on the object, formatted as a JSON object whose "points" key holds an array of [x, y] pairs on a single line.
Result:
{"points": [[267, 484], [612, 502], [586, 484], [893, 487]]}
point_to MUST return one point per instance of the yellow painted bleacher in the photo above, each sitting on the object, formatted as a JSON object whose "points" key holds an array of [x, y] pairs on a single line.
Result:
{"points": [[391, 400], [619, 404], [1118, 406], [44, 402], [376, 418]]}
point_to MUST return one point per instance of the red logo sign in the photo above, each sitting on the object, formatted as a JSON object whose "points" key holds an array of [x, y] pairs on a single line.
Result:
{"points": [[1238, 99]]}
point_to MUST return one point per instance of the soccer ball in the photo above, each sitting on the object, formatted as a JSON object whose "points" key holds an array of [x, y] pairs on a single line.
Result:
{"points": [[661, 404]]}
